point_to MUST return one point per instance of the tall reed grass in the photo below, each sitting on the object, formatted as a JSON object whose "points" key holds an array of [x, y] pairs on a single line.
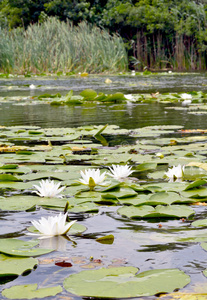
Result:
{"points": [[157, 52], [56, 46]]}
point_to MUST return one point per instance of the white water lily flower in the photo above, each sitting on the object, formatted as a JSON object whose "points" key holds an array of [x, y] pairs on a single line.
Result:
{"points": [[129, 97], [32, 86], [120, 172], [53, 226], [92, 177], [186, 102], [48, 188], [175, 172], [186, 96]]}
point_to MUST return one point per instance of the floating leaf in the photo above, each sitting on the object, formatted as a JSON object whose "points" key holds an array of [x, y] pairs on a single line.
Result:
{"points": [[146, 166], [4, 167], [204, 246], [11, 265], [122, 282], [146, 211], [119, 194], [8, 177], [30, 291], [195, 184], [17, 247], [108, 239], [199, 223], [199, 165], [88, 94]]}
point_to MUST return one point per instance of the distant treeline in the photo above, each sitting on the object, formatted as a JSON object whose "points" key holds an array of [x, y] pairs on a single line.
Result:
{"points": [[158, 34]]}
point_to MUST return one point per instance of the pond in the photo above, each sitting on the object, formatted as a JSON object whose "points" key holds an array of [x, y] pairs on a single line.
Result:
{"points": [[147, 221]]}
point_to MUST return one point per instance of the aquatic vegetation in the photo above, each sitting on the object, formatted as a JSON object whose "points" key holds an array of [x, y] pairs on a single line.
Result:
{"points": [[92, 178], [48, 188], [175, 172], [123, 211], [61, 48], [53, 225], [186, 96], [120, 172], [135, 284]]}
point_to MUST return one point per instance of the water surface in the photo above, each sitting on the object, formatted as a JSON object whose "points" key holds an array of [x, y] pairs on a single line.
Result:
{"points": [[137, 243]]}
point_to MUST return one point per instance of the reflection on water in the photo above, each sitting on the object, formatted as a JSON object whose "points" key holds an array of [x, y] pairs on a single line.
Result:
{"points": [[123, 115], [57, 243]]}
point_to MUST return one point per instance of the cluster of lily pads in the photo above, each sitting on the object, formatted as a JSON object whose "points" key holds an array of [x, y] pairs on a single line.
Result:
{"points": [[90, 95], [65, 170], [192, 101]]}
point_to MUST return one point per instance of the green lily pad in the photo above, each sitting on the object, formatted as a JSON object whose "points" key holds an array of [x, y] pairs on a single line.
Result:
{"points": [[160, 211], [30, 291], [5, 167], [167, 198], [199, 223], [119, 194], [122, 282], [146, 166], [195, 184], [8, 177], [108, 239], [11, 265], [17, 247], [88, 94], [204, 246], [85, 207], [205, 274]]}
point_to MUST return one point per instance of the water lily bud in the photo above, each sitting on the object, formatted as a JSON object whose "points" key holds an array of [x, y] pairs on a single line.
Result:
{"points": [[92, 183], [160, 155]]}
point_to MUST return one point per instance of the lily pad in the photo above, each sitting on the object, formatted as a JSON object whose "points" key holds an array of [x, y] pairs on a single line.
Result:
{"points": [[160, 211], [11, 265], [204, 246], [17, 247], [8, 177], [200, 223], [108, 239], [30, 291], [195, 184], [122, 282]]}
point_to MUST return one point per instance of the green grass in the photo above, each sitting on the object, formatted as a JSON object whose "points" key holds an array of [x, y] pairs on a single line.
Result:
{"points": [[56, 46]]}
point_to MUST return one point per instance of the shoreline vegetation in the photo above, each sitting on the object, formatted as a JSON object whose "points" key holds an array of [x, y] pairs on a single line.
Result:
{"points": [[56, 46], [103, 36]]}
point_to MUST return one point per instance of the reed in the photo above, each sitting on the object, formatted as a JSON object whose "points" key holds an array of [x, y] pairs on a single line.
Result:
{"points": [[156, 52], [56, 46]]}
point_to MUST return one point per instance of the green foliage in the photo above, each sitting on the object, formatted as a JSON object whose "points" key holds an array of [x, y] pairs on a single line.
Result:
{"points": [[164, 34], [159, 34], [58, 46], [124, 282], [30, 291]]}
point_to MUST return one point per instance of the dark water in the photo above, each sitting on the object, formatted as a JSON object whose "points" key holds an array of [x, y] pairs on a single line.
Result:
{"points": [[137, 243], [126, 115]]}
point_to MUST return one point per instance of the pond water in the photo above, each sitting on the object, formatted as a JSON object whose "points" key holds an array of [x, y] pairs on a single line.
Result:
{"points": [[146, 244]]}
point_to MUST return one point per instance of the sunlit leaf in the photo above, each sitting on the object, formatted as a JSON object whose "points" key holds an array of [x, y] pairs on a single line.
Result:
{"points": [[122, 282], [108, 239], [11, 265], [146, 211], [30, 291], [17, 247]]}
